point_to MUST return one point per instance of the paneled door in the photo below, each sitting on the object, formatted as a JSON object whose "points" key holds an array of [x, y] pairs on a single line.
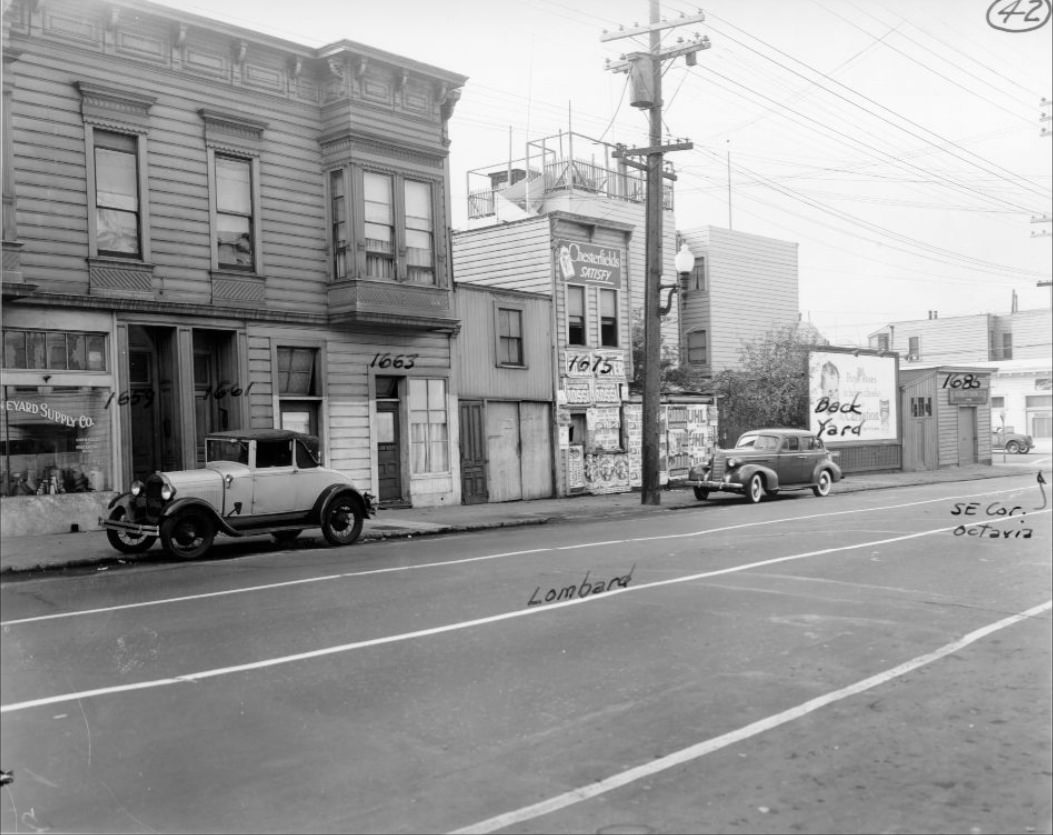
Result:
{"points": [[473, 453]]}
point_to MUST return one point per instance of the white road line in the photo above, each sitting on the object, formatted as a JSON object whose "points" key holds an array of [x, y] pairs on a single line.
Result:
{"points": [[701, 749], [446, 563], [452, 627]]}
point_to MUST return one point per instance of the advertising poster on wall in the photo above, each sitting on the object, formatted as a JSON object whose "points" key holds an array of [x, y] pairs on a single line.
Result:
{"points": [[852, 398]]}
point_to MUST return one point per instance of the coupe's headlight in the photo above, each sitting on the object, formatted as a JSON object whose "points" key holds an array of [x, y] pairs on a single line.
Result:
{"points": [[733, 463], [137, 488], [167, 491]]}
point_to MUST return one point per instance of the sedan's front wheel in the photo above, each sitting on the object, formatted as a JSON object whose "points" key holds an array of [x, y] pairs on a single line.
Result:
{"points": [[1012, 447], [342, 520], [822, 487], [187, 535], [755, 489]]}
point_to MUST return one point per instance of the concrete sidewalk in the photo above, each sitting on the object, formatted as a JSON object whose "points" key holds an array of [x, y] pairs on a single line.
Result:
{"points": [[91, 550]]}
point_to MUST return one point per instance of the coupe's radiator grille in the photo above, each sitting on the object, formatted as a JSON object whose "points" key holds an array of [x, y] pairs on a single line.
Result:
{"points": [[718, 468]]}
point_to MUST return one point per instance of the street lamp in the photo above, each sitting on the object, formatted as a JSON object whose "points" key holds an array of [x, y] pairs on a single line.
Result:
{"points": [[685, 263]]}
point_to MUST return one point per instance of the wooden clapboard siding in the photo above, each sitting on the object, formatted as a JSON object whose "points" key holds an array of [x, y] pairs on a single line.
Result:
{"points": [[955, 339], [1032, 333], [478, 373], [751, 290], [512, 256], [68, 42]]}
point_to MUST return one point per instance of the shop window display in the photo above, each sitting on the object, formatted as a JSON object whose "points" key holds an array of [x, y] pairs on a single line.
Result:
{"points": [[55, 439]]}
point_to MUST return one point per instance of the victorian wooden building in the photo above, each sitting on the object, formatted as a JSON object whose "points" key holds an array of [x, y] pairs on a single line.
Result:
{"points": [[209, 228]]}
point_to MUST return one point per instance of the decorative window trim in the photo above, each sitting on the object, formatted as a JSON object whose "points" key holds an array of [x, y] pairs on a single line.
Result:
{"points": [[232, 133], [123, 111], [117, 111]]}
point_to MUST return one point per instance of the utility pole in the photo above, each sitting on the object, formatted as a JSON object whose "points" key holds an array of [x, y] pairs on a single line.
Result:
{"points": [[645, 72]]}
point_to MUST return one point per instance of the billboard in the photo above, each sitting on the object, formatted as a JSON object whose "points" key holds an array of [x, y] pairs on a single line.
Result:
{"points": [[852, 398], [589, 264]]}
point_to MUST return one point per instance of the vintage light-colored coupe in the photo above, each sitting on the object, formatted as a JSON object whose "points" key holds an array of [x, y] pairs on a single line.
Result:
{"points": [[253, 482], [765, 462]]}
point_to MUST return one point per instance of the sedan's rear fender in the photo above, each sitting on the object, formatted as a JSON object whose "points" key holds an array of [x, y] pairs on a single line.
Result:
{"points": [[180, 505], [834, 469]]}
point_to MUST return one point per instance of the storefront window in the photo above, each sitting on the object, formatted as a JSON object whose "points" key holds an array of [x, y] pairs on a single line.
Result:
{"points": [[55, 439]]}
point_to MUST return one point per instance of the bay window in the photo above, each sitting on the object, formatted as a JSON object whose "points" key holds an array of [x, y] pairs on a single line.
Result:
{"points": [[379, 214]]}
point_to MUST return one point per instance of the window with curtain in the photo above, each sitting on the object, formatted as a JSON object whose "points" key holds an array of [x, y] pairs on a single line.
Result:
{"points": [[234, 213], [575, 315], [338, 223], [428, 426], [379, 213], [420, 246], [117, 219]]}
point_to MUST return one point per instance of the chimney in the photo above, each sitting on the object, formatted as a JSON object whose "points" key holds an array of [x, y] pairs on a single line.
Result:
{"points": [[1015, 306]]}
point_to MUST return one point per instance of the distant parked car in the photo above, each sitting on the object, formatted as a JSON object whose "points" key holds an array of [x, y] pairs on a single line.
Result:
{"points": [[765, 462], [253, 482], [1011, 441]]}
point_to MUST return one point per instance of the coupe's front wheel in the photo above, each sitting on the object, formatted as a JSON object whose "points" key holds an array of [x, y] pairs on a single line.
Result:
{"points": [[187, 535], [1012, 447], [755, 489], [822, 487], [701, 493], [342, 520], [125, 541]]}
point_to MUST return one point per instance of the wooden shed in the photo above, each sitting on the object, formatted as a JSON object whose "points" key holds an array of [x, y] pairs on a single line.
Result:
{"points": [[946, 414]]}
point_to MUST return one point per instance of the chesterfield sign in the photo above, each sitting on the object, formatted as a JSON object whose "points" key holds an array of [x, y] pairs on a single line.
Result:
{"points": [[589, 264]]}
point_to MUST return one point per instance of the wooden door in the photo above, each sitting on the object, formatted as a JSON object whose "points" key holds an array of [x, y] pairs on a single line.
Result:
{"points": [[389, 461], [966, 435], [503, 452], [473, 452], [535, 428]]}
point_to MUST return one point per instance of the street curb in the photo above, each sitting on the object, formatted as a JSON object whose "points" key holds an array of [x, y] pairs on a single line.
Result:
{"points": [[105, 561]]}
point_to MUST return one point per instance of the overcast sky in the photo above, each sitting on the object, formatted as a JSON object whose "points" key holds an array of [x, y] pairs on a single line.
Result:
{"points": [[898, 143]]}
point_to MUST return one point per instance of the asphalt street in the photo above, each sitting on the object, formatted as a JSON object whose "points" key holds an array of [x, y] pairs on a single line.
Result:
{"points": [[868, 662]]}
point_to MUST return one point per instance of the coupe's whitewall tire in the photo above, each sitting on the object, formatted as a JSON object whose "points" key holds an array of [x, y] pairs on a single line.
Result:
{"points": [[822, 488], [755, 489]]}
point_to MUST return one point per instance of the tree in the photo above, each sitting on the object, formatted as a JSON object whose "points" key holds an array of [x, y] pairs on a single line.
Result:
{"points": [[771, 388], [673, 376]]}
